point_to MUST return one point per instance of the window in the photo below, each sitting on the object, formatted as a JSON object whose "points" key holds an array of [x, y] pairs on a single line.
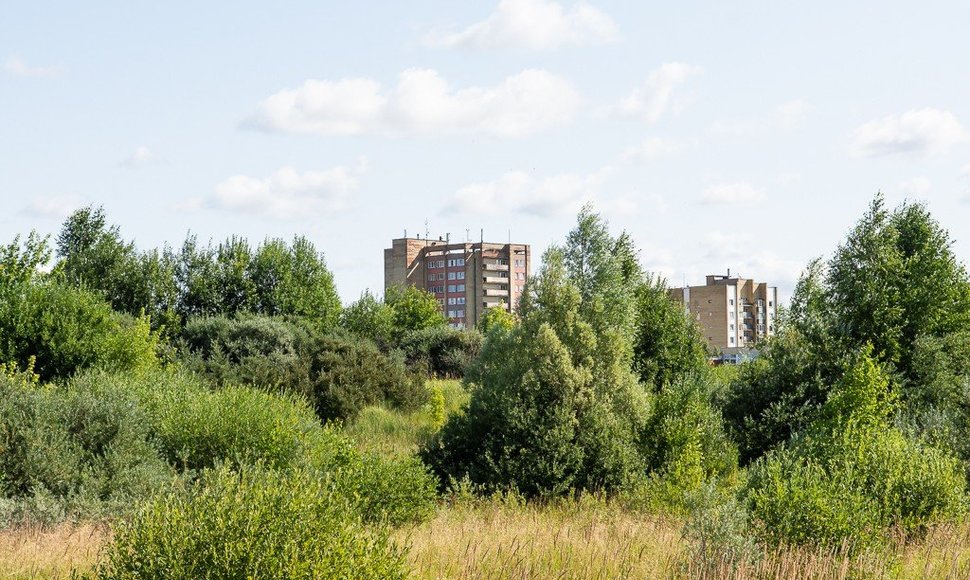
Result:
{"points": [[451, 301], [520, 275], [456, 262], [770, 304], [452, 288], [432, 277], [731, 301], [451, 314], [732, 315], [461, 275], [731, 327], [460, 300], [502, 262], [731, 339], [461, 288], [460, 313], [519, 263]]}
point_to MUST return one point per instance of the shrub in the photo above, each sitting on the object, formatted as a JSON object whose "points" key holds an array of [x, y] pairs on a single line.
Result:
{"points": [[196, 427], [442, 350], [66, 329], [258, 523], [79, 452], [851, 477], [338, 373]]}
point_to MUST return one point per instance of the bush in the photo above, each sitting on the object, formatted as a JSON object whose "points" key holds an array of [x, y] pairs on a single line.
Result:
{"points": [[851, 477], [196, 427], [72, 452], [258, 523], [442, 350], [338, 373], [66, 329]]}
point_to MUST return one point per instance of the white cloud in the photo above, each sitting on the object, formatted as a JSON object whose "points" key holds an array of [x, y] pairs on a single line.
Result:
{"points": [[734, 251], [286, 193], [140, 156], [787, 116], [422, 103], [965, 171], [916, 187], [653, 148], [17, 67], [651, 101], [56, 207], [518, 191], [733, 194], [534, 25], [922, 132]]}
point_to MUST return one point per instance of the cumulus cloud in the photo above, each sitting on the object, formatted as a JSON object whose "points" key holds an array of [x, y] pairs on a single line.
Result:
{"points": [[653, 148], [787, 116], [56, 207], [918, 186], [534, 25], [921, 132], [286, 193], [518, 191], [422, 103], [657, 96], [140, 156], [17, 67], [965, 170], [733, 194]]}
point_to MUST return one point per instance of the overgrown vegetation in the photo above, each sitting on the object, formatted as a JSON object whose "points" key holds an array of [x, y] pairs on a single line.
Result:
{"points": [[225, 416]]}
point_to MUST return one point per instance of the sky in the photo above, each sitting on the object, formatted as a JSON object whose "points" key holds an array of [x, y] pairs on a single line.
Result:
{"points": [[748, 135]]}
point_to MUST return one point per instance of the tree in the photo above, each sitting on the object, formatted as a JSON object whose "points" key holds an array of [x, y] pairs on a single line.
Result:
{"points": [[369, 317], [667, 343], [412, 309], [554, 405], [496, 318]]}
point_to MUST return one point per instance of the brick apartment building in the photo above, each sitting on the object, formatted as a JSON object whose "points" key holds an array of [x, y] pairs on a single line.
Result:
{"points": [[467, 278], [734, 313]]}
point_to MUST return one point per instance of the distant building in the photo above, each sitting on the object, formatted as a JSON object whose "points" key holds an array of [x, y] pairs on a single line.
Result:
{"points": [[467, 278], [734, 314]]}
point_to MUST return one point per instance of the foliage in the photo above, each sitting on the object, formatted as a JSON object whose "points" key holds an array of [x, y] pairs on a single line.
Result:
{"points": [[554, 406], [441, 350], [685, 446], [895, 284], [255, 524], [412, 309], [369, 317], [67, 452], [496, 318], [667, 344], [850, 477], [66, 329]]}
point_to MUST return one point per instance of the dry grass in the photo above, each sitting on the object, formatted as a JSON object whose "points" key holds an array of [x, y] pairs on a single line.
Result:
{"points": [[34, 552], [495, 539]]}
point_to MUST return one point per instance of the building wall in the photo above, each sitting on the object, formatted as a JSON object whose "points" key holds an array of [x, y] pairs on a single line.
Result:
{"points": [[734, 314], [466, 278]]}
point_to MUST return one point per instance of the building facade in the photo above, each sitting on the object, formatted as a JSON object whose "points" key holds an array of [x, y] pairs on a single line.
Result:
{"points": [[466, 278], [733, 313]]}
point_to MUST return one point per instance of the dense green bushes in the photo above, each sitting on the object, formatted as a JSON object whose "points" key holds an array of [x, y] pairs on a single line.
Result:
{"points": [[339, 373], [67, 452], [851, 477], [257, 523], [441, 350]]}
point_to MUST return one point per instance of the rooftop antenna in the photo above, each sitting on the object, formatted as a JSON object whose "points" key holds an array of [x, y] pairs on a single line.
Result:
{"points": [[468, 235], [482, 239], [405, 232], [510, 235]]}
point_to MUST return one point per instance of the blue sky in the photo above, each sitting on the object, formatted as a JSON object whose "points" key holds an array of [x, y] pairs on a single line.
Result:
{"points": [[745, 135]]}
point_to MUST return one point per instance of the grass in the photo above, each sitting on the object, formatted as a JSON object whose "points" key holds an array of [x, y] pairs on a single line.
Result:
{"points": [[34, 552], [395, 434]]}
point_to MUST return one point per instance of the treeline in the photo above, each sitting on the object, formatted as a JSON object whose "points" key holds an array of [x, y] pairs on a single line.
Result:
{"points": [[212, 371], [850, 430]]}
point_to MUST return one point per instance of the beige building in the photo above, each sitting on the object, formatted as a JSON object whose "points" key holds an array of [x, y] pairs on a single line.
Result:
{"points": [[733, 313], [467, 278]]}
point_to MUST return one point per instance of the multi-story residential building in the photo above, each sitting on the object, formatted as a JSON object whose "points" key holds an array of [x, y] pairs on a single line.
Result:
{"points": [[733, 313], [467, 278]]}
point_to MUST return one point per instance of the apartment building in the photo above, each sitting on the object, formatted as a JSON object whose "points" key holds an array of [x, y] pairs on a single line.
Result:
{"points": [[467, 278], [733, 313]]}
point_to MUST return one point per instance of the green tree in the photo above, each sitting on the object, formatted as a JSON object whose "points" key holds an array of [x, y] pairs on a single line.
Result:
{"points": [[369, 317], [413, 309], [667, 344], [496, 318]]}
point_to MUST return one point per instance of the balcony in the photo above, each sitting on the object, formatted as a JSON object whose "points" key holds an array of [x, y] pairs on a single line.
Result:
{"points": [[495, 280], [496, 292], [496, 267]]}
